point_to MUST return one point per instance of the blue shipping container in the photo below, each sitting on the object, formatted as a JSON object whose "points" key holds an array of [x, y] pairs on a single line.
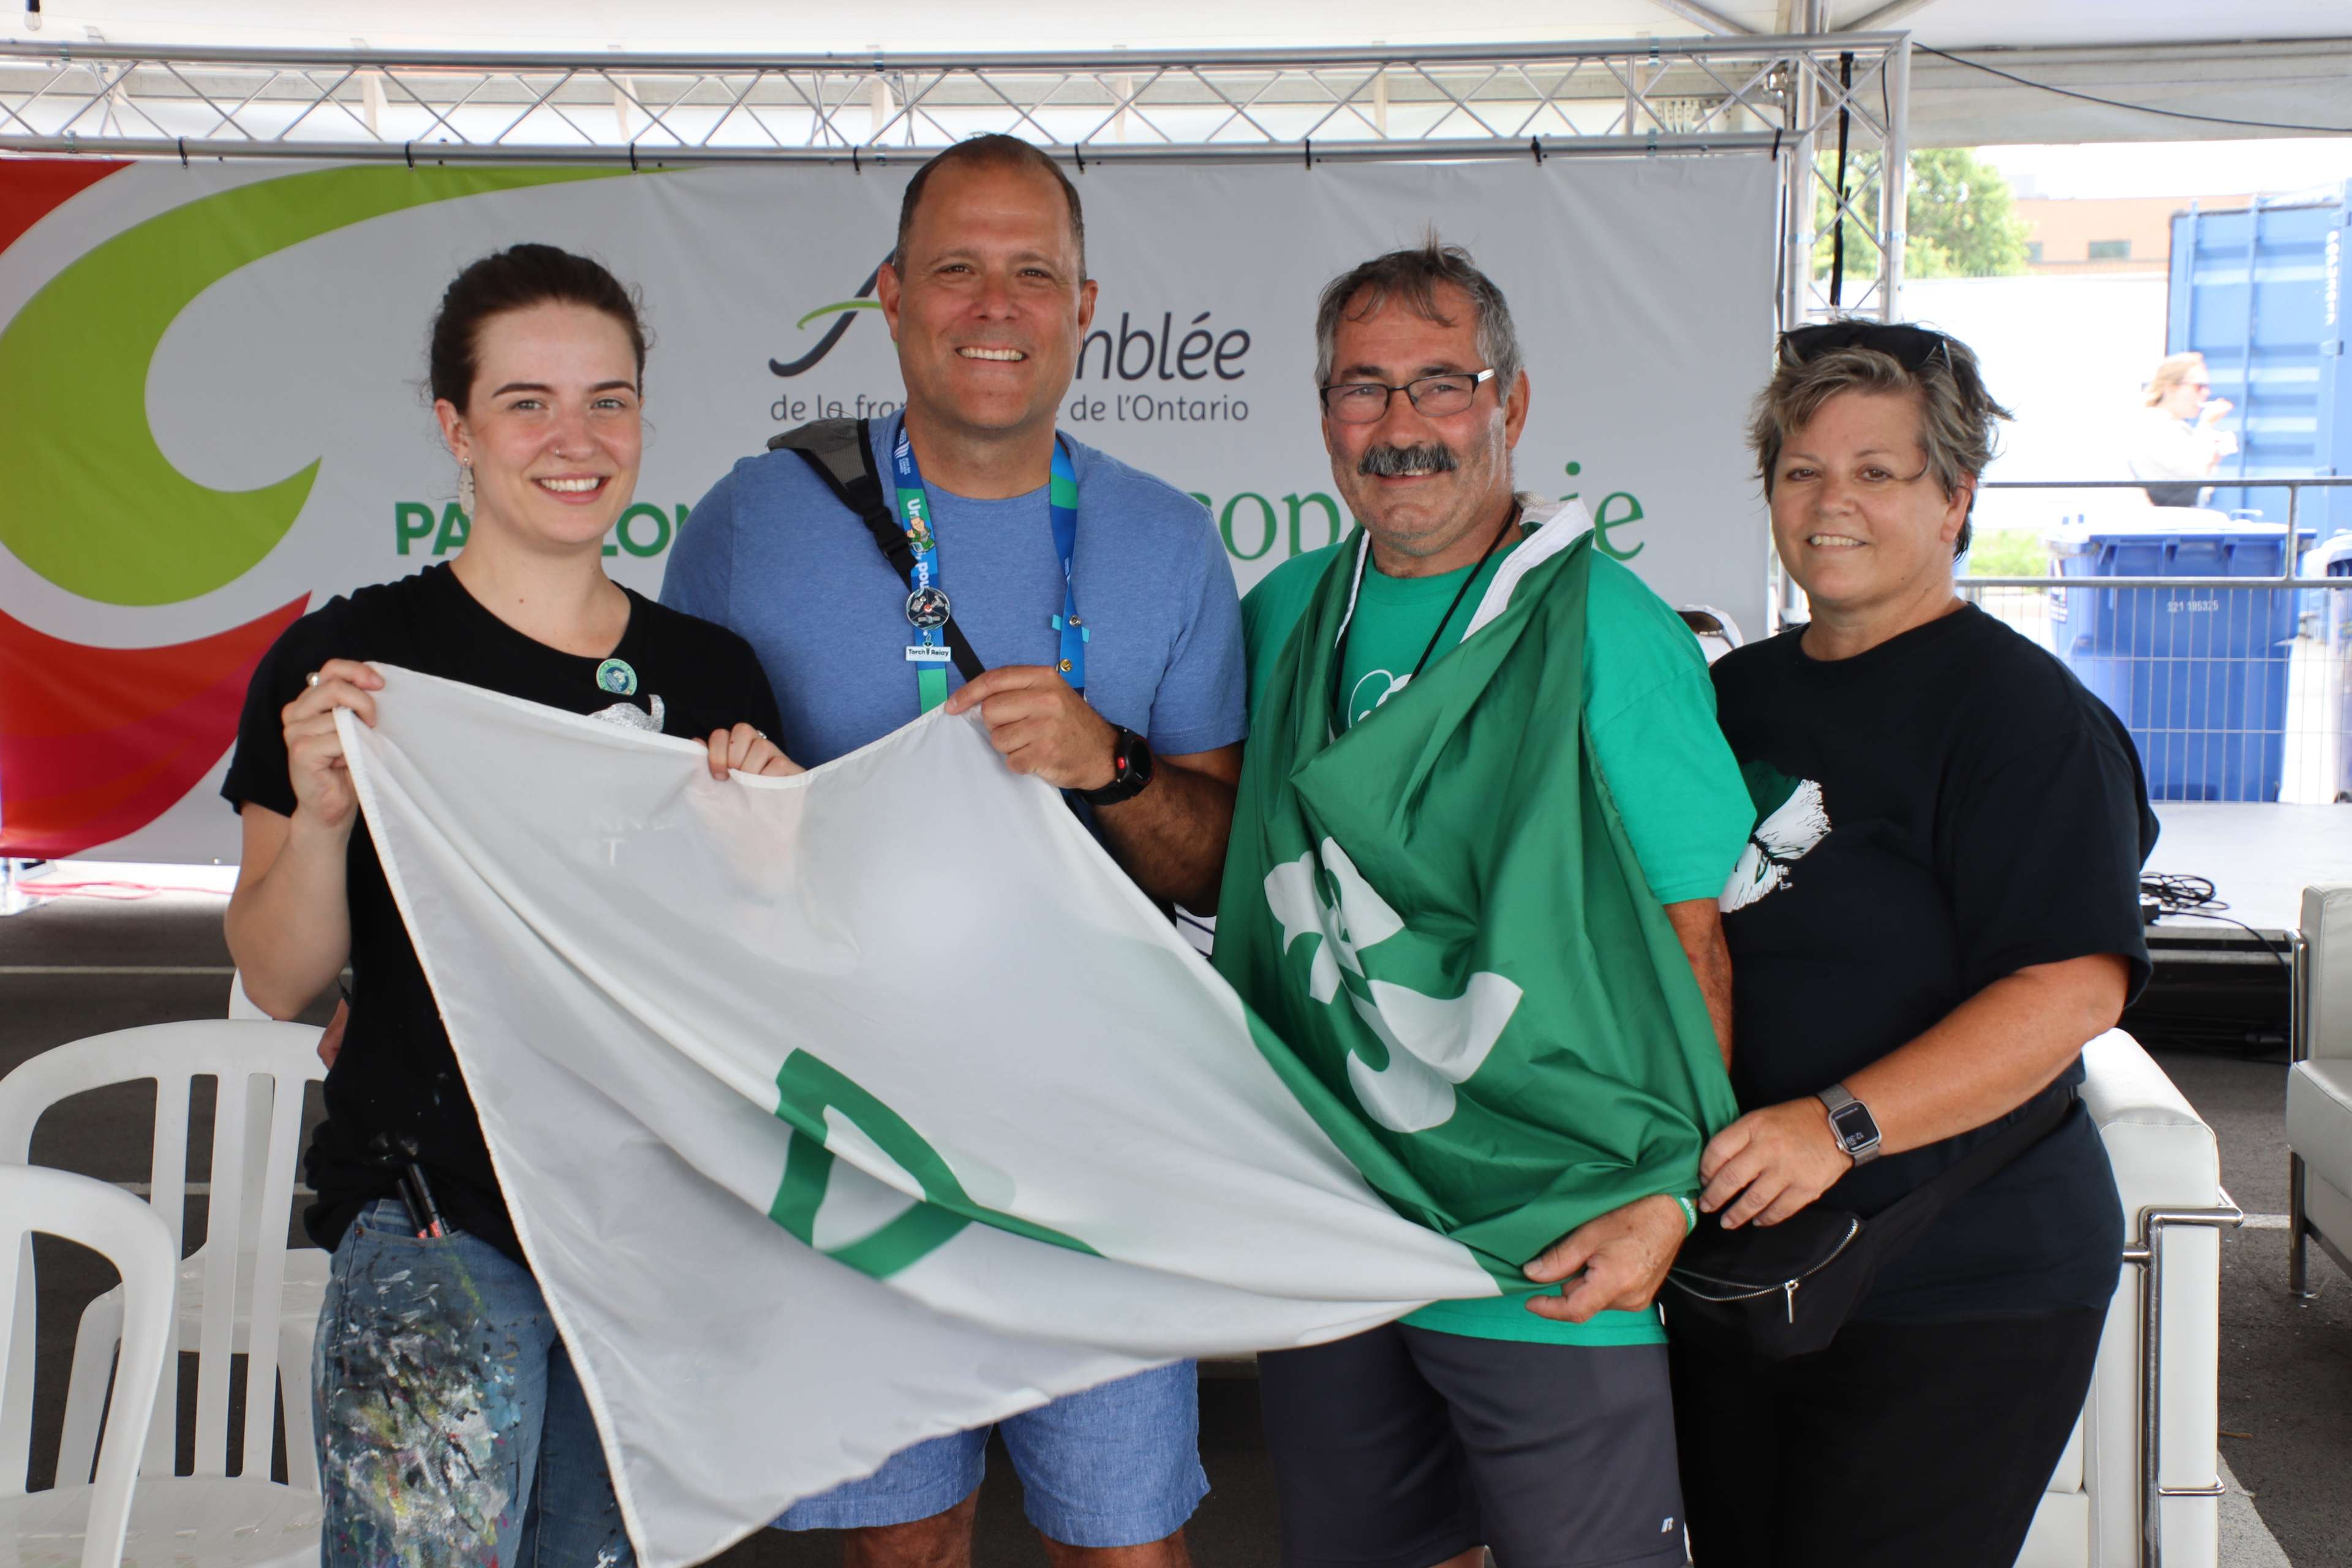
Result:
{"points": [[2258, 293], [2198, 675]]}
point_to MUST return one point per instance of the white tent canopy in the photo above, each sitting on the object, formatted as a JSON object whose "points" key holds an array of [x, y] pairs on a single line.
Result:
{"points": [[2284, 61], [933, 27]]}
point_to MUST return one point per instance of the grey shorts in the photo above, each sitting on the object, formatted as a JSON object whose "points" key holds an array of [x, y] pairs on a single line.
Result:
{"points": [[1402, 1447]]}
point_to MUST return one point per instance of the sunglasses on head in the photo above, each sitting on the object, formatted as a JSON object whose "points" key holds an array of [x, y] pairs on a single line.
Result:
{"points": [[1910, 347]]}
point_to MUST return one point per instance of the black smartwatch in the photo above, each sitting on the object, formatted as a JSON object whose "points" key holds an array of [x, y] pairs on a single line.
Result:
{"points": [[1851, 1123], [1130, 763]]}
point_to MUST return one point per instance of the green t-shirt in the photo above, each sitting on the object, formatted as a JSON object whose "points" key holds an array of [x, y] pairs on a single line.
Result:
{"points": [[1649, 712]]}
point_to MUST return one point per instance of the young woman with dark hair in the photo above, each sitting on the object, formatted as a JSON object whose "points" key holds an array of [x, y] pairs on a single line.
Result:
{"points": [[452, 1428]]}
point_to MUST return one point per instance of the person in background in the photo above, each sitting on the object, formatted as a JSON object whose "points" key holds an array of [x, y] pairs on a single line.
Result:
{"points": [[1139, 720], [452, 1426], [1938, 909], [2176, 440]]}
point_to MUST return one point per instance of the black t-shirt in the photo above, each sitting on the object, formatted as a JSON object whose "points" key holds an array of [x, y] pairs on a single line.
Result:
{"points": [[397, 1078], [1935, 813]]}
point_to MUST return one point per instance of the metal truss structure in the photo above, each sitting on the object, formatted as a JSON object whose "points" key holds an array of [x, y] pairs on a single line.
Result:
{"points": [[1794, 98]]}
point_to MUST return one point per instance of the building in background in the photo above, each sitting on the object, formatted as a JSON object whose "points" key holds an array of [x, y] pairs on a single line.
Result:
{"points": [[2072, 235]]}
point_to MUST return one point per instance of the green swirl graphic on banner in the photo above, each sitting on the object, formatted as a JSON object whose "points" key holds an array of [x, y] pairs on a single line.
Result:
{"points": [[91, 503]]}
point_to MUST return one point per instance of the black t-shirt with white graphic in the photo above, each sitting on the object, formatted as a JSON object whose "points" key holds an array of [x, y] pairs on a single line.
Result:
{"points": [[394, 1092], [1935, 813]]}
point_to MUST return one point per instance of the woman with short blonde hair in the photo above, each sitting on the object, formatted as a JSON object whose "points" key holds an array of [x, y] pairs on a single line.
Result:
{"points": [[1937, 909]]}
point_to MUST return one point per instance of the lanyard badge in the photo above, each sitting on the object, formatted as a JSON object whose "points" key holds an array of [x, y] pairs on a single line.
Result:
{"points": [[927, 602], [928, 606]]}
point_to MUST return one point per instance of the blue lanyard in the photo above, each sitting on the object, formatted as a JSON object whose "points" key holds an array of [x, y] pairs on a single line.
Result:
{"points": [[927, 601]]}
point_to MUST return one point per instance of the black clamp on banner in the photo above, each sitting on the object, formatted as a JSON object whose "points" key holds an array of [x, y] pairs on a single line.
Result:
{"points": [[408, 152], [1535, 145], [184, 151], [1307, 152], [854, 167]]}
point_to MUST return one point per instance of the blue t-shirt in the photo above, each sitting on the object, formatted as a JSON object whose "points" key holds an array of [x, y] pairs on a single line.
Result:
{"points": [[771, 555]]}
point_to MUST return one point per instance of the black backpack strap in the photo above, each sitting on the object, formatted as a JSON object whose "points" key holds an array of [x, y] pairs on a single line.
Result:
{"points": [[840, 451]]}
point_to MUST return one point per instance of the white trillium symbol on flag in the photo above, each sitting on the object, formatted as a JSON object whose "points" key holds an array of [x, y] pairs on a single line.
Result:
{"points": [[1433, 1042]]}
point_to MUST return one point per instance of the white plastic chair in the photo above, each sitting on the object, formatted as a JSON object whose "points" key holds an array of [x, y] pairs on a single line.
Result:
{"points": [[81, 1521], [1717, 631], [298, 1330], [237, 1280]]}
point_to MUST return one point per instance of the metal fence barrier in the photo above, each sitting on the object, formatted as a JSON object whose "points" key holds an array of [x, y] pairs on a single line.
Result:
{"points": [[2233, 686]]}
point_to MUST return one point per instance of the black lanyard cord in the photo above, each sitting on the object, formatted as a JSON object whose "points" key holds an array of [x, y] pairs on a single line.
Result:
{"points": [[1340, 658]]}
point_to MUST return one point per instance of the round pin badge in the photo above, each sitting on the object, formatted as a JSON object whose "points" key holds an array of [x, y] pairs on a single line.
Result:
{"points": [[927, 609], [616, 675]]}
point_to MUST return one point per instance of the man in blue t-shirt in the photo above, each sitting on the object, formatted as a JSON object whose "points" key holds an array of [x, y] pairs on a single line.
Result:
{"points": [[988, 301]]}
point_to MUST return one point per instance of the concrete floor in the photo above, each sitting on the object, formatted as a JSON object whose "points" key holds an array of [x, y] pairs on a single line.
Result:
{"points": [[70, 968]]}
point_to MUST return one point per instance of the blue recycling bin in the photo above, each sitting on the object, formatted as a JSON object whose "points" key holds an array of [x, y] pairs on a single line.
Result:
{"points": [[2198, 675]]}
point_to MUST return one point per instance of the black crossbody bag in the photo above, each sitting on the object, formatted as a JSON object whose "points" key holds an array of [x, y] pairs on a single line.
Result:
{"points": [[1776, 1291]]}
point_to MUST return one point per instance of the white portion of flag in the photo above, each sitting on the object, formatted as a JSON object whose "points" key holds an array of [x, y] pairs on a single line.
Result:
{"points": [[626, 949]]}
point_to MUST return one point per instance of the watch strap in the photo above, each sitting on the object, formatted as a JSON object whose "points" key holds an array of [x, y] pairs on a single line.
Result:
{"points": [[1131, 765], [1838, 1097]]}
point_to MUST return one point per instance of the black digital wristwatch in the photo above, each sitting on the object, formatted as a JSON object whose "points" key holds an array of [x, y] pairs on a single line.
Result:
{"points": [[1130, 763]]}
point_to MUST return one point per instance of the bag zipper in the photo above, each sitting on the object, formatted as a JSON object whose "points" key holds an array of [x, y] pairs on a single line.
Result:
{"points": [[1742, 1291]]}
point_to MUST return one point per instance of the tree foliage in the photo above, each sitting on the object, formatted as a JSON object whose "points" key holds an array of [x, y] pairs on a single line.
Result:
{"points": [[1963, 221]]}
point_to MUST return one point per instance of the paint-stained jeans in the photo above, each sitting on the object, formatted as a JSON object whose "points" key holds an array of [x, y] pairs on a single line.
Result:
{"points": [[452, 1429]]}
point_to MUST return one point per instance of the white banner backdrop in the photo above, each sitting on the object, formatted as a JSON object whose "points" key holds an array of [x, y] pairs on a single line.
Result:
{"points": [[1641, 289]]}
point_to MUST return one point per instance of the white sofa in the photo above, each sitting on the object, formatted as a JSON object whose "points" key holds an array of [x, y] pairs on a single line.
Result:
{"points": [[2167, 1169], [2319, 1090]]}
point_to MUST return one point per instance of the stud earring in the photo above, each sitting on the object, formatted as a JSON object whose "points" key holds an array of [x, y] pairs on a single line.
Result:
{"points": [[465, 487]]}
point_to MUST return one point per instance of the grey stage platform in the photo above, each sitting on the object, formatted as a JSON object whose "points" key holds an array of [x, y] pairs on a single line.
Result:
{"points": [[2259, 857]]}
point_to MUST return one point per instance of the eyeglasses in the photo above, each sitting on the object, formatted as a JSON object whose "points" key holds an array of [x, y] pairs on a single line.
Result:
{"points": [[1910, 347], [1362, 402]]}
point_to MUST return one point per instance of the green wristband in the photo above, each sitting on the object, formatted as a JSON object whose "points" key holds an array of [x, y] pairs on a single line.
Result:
{"points": [[1690, 1215]]}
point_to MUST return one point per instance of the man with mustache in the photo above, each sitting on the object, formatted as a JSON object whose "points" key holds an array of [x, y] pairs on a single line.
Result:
{"points": [[1537, 1425], [1100, 603]]}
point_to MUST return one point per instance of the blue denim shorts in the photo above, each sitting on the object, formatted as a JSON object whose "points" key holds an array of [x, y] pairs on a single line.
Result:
{"points": [[1118, 1465]]}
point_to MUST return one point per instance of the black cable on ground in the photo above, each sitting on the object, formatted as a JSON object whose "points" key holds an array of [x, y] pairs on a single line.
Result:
{"points": [[2170, 894]]}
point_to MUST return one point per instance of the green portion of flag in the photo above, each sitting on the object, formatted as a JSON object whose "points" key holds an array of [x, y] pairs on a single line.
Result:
{"points": [[806, 1089], [1439, 918]]}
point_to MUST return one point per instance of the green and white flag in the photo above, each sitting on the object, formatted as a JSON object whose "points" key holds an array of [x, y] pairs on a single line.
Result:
{"points": [[843, 1111], [1439, 917]]}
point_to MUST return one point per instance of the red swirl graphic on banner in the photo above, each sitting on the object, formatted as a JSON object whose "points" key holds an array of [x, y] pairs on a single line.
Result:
{"points": [[37, 188], [95, 742]]}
